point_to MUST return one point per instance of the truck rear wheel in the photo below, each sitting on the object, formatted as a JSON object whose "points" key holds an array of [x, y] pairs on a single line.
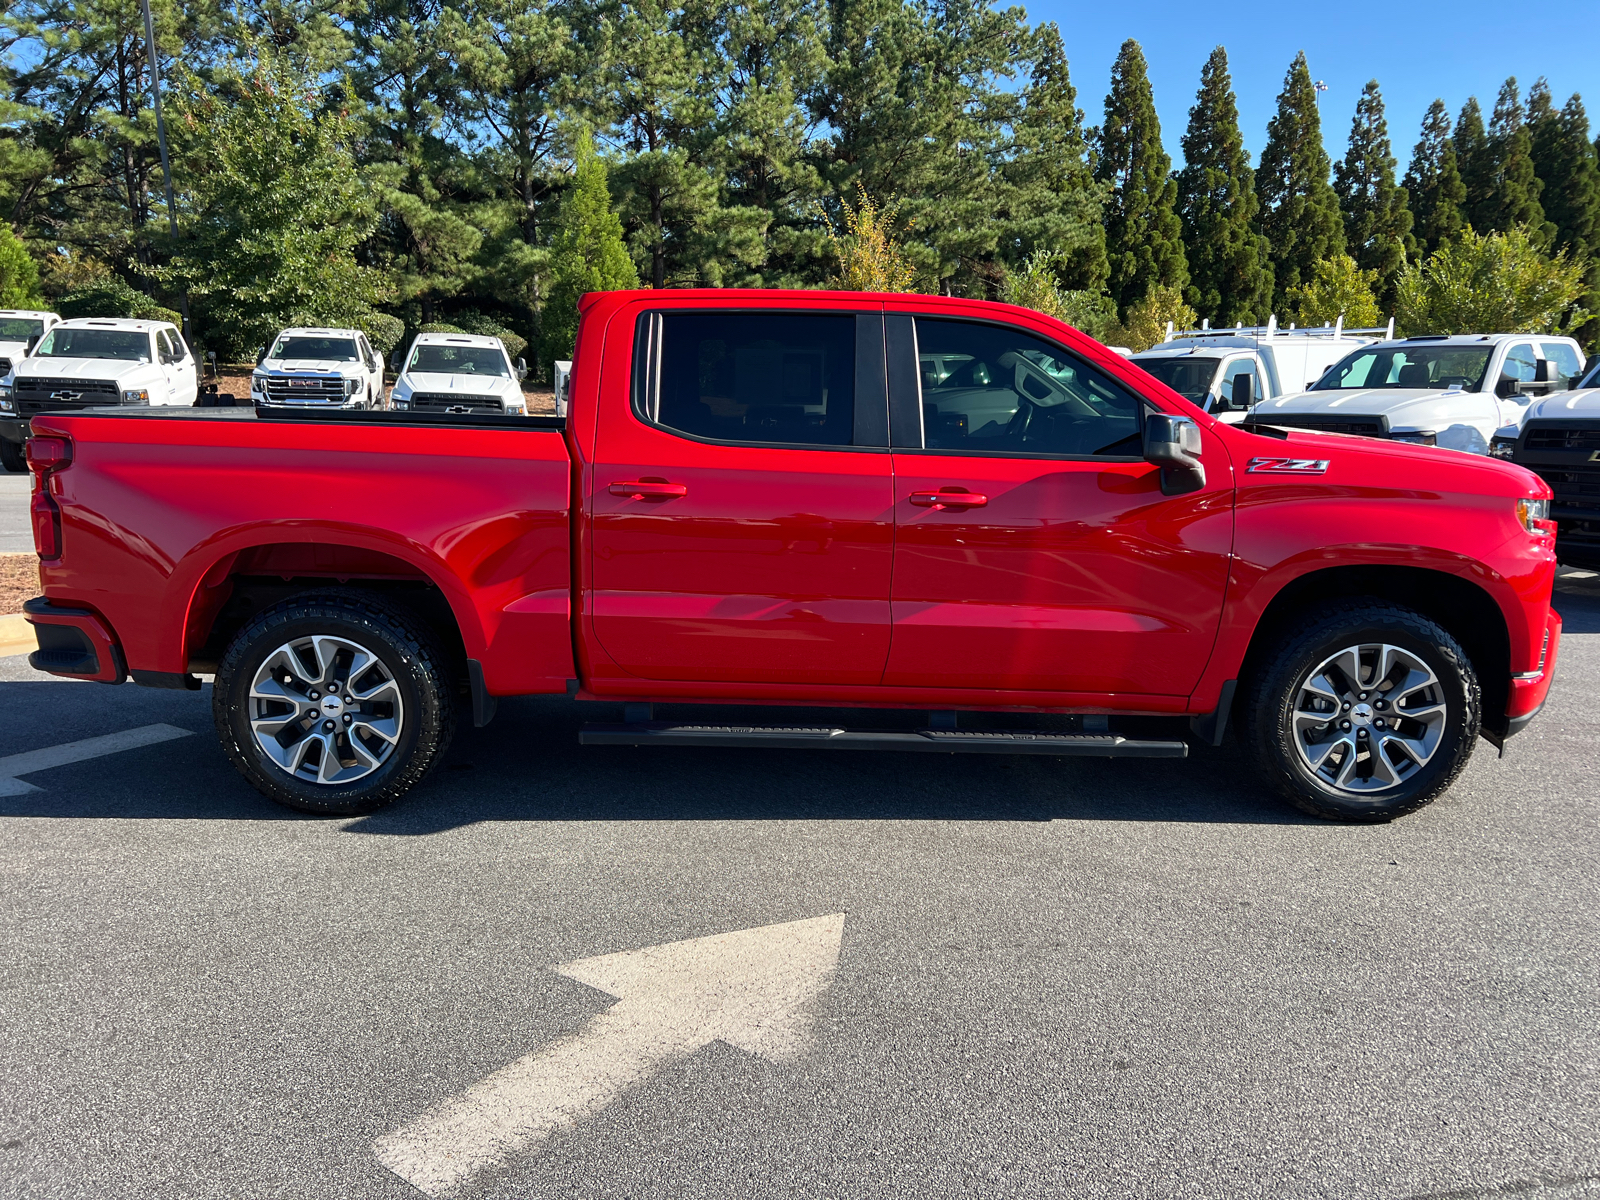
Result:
{"points": [[1366, 714], [334, 703]]}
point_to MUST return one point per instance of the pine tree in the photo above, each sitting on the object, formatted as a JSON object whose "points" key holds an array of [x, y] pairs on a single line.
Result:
{"points": [[1229, 276], [1517, 188], [1144, 238], [1051, 200], [1299, 212], [1433, 184], [589, 254], [1377, 219], [1476, 162], [1565, 161]]}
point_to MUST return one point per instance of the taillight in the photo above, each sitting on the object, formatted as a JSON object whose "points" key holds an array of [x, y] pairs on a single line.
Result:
{"points": [[46, 456]]}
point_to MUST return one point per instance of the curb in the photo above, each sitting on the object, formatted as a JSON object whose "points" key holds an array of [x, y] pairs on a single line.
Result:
{"points": [[16, 636]]}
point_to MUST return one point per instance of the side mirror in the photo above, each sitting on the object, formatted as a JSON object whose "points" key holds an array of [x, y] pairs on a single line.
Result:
{"points": [[1243, 391], [261, 355], [394, 362], [1505, 387], [522, 369], [1173, 444], [32, 342]]}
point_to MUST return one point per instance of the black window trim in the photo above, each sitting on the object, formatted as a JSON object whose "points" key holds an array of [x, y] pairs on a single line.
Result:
{"points": [[645, 376], [900, 368]]}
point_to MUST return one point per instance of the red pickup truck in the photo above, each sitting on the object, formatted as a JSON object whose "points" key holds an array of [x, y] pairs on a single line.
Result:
{"points": [[806, 499]]}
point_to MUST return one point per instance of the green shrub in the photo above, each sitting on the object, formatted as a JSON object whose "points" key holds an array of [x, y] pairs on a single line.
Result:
{"points": [[19, 274], [1502, 283], [475, 322], [112, 297], [383, 331]]}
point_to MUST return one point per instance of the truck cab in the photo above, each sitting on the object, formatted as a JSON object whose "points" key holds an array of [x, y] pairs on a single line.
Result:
{"points": [[460, 374], [317, 366], [1455, 391], [1226, 372]]}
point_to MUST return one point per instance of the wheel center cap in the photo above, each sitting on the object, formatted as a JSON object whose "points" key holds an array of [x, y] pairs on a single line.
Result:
{"points": [[332, 705], [1361, 714]]}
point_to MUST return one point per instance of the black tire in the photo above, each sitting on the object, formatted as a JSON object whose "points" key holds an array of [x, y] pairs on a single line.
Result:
{"points": [[12, 457], [1268, 720], [404, 647]]}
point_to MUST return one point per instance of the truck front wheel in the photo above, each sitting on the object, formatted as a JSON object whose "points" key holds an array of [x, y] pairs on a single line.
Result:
{"points": [[11, 456], [334, 703], [1366, 714]]}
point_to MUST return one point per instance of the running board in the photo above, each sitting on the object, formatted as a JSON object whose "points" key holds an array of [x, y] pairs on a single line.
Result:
{"points": [[832, 737]]}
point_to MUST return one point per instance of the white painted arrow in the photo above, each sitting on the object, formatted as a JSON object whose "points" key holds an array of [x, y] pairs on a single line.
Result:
{"points": [[751, 988]]}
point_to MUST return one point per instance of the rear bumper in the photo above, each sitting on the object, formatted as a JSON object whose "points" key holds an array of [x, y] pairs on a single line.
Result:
{"points": [[75, 643], [1529, 692]]}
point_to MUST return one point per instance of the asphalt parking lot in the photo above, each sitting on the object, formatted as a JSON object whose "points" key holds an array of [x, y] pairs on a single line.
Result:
{"points": [[1028, 977]]}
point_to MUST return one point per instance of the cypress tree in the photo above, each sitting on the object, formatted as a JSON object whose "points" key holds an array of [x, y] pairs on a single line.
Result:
{"points": [[1433, 184], [1144, 239], [589, 254], [1377, 219], [1229, 279], [1476, 161], [1052, 201], [1517, 188], [1299, 212], [1565, 161]]}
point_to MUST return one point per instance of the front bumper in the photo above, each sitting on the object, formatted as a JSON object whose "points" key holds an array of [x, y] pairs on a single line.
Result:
{"points": [[1529, 692]]}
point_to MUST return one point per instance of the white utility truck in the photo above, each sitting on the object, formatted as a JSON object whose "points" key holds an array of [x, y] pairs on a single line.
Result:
{"points": [[460, 374], [1454, 391], [318, 367], [1227, 371], [88, 362]]}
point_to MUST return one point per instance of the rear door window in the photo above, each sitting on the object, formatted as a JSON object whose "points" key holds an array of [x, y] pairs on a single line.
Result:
{"points": [[773, 378]]}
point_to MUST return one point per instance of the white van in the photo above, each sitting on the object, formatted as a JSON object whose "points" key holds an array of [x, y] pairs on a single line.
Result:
{"points": [[1227, 371]]}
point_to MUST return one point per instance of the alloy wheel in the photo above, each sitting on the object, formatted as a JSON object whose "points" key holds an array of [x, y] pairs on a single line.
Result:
{"points": [[1368, 718], [326, 710]]}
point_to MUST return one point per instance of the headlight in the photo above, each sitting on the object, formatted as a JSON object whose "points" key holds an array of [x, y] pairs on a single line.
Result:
{"points": [[1503, 447], [136, 396], [7, 405], [398, 403], [1416, 437], [1535, 516], [352, 386], [257, 384], [516, 410]]}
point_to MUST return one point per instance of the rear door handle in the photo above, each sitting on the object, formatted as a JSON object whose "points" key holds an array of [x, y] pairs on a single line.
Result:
{"points": [[649, 489], [949, 497]]}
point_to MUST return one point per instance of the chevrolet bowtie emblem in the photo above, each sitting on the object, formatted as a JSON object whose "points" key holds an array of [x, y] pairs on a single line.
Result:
{"points": [[459, 410], [66, 395], [1595, 457]]}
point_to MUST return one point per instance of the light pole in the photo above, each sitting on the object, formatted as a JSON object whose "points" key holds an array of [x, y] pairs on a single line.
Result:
{"points": [[161, 140]]}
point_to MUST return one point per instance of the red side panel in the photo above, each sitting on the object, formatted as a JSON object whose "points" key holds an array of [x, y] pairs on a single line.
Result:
{"points": [[150, 506]]}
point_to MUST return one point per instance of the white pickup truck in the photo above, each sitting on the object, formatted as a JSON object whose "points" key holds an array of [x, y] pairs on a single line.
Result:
{"points": [[1436, 390], [89, 362], [459, 374], [315, 367], [20, 330], [1227, 371]]}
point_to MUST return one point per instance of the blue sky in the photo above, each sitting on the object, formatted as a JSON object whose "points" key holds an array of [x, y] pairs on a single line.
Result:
{"points": [[1416, 50]]}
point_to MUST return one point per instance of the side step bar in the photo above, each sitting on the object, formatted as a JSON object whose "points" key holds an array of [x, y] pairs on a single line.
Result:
{"points": [[828, 737]]}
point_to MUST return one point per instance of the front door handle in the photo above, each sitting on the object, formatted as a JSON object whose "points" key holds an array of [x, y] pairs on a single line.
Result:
{"points": [[648, 489], [949, 497]]}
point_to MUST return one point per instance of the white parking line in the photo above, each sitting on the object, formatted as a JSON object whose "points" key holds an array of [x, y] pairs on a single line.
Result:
{"points": [[30, 761]]}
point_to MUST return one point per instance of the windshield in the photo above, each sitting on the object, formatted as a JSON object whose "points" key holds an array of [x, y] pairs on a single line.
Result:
{"points": [[335, 349], [1189, 377], [19, 329], [1409, 367], [95, 343], [460, 360]]}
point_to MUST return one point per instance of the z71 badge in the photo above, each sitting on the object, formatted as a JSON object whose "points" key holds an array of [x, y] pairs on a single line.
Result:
{"points": [[1288, 466]]}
